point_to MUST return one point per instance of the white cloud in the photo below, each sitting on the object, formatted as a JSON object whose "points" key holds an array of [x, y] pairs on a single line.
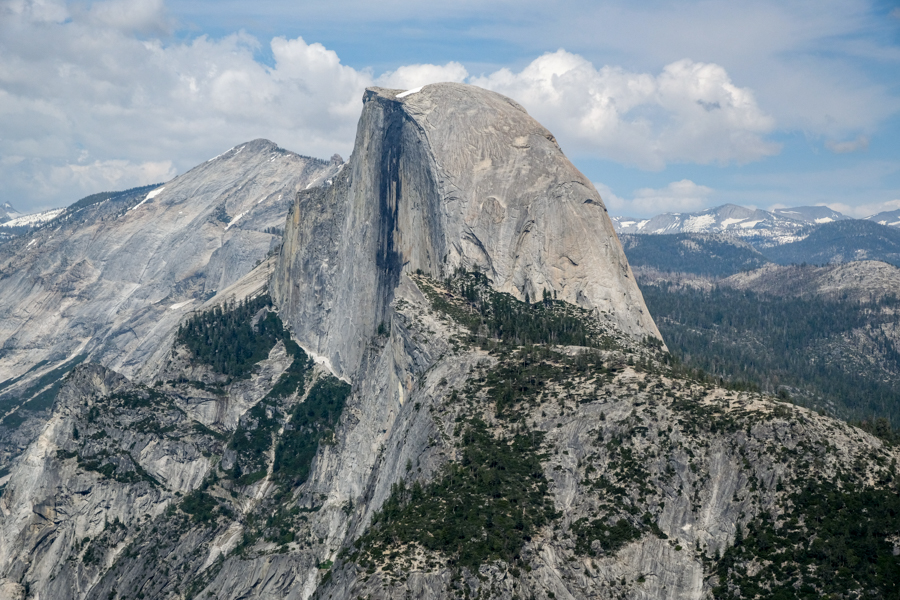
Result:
{"points": [[864, 210], [86, 103], [110, 175], [691, 112], [678, 196], [860, 143], [35, 11], [87, 106], [146, 16], [412, 76]]}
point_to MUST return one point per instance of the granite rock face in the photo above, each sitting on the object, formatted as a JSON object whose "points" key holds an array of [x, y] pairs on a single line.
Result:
{"points": [[131, 489], [109, 282], [451, 176], [638, 478]]}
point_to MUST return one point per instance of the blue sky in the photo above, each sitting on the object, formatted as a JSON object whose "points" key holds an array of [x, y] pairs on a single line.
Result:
{"points": [[666, 106]]}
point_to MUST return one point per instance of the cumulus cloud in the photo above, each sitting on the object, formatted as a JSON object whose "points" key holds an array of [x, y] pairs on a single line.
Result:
{"points": [[678, 196], [864, 210], [859, 144], [92, 98], [412, 76], [691, 112], [110, 174], [145, 16], [86, 105], [36, 11]]}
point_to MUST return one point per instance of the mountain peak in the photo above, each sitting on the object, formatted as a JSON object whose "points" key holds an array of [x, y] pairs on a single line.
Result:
{"points": [[447, 177]]}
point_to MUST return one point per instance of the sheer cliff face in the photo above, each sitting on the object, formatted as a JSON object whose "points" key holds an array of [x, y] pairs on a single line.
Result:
{"points": [[112, 279], [449, 176]]}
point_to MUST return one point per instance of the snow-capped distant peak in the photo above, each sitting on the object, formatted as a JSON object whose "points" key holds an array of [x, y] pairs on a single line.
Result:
{"points": [[890, 218], [771, 228], [10, 212], [35, 219]]}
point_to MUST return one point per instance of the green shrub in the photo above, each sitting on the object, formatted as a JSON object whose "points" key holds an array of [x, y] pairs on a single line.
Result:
{"points": [[482, 508]]}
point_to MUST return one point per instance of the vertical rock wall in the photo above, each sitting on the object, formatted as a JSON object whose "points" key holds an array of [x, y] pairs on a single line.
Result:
{"points": [[450, 176]]}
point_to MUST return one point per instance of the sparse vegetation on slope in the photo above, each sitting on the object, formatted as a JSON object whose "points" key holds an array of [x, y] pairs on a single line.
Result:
{"points": [[309, 423], [832, 541], [480, 508], [468, 298], [636, 447]]}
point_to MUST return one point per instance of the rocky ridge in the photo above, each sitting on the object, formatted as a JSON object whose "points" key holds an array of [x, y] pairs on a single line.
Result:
{"points": [[890, 218], [108, 281], [8, 213], [762, 228], [512, 426], [860, 280], [448, 177], [648, 482]]}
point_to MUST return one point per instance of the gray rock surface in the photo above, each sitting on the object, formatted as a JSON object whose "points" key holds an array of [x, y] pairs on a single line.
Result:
{"points": [[70, 530], [451, 176], [110, 281], [861, 280], [145, 500]]}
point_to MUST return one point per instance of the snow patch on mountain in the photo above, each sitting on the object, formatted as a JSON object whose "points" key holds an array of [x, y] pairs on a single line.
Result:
{"points": [[35, 219], [760, 227]]}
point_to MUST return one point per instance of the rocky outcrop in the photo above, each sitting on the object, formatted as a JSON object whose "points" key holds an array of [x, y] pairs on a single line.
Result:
{"points": [[487, 447], [449, 176], [110, 280], [648, 475], [863, 281]]}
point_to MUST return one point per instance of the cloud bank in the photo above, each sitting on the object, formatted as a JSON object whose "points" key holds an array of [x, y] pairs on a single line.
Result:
{"points": [[691, 112], [93, 98], [678, 196]]}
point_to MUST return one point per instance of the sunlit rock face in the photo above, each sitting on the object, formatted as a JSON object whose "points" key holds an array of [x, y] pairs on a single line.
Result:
{"points": [[445, 177], [112, 279]]}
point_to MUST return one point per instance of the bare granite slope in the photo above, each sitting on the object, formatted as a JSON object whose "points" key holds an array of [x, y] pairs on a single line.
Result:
{"points": [[478, 445], [111, 281], [637, 481], [450, 176]]}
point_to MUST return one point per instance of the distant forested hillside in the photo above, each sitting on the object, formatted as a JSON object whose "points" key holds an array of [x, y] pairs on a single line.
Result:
{"points": [[842, 241], [699, 254], [840, 355]]}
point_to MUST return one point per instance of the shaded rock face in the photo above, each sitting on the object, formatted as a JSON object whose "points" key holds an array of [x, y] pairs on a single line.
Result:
{"points": [[638, 477], [106, 503], [451, 176], [111, 280], [111, 459]]}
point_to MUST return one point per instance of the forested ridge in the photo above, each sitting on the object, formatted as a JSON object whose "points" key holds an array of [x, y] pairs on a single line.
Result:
{"points": [[234, 337], [837, 354]]}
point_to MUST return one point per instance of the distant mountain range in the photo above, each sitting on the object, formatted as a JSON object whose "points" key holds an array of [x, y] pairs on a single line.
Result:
{"points": [[722, 254], [889, 218], [759, 227], [8, 213], [721, 241], [841, 242]]}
